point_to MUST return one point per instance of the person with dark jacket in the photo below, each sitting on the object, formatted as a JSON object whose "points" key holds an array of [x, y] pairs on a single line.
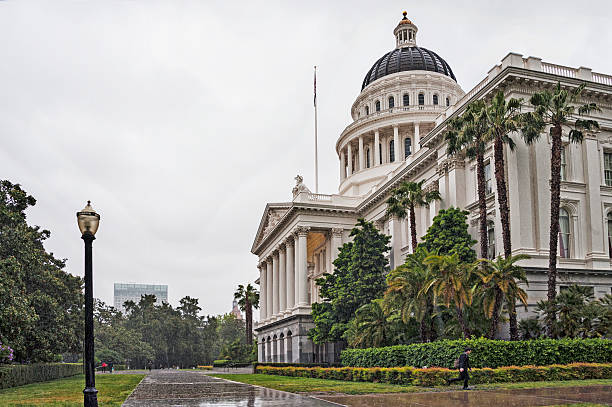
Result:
{"points": [[464, 365]]}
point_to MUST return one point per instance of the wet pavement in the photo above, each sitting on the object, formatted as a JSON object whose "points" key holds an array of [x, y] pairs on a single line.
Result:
{"points": [[186, 388], [492, 398]]}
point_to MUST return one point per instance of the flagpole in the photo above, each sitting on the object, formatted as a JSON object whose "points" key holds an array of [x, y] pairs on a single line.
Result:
{"points": [[315, 134]]}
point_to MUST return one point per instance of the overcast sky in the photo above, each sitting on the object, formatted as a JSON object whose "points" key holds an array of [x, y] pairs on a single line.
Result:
{"points": [[181, 119]]}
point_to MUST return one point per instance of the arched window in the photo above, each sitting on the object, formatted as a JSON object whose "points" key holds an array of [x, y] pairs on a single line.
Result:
{"points": [[380, 152], [406, 100], [564, 234], [391, 151], [610, 234], [491, 240], [367, 110], [435, 99], [391, 102], [407, 147], [368, 158], [377, 104], [421, 99], [447, 101]]}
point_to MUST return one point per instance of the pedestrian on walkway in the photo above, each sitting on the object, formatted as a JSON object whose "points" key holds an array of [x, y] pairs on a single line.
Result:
{"points": [[463, 363]]}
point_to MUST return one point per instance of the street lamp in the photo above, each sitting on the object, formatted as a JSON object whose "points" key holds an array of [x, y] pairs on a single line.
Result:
{"points": [[88, 221]]}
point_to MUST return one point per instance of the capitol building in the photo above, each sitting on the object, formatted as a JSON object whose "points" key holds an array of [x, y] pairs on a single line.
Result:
{"points": [[397, 135]]}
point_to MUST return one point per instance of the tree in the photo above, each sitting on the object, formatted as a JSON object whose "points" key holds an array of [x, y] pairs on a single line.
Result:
{"points": [[467, 134], [405, 292], [372, 326], [449, 282], [557, 109], [405, 198], [448, 234], [248, 298], [503, 118], [499, 281], [359, 278], [41, 305]]}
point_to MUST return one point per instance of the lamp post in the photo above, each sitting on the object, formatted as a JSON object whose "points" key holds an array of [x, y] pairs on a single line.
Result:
{"points": [[88, 221]]}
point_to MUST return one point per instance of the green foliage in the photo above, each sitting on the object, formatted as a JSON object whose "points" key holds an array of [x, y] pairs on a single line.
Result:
{"points": [[577, 314], [220, 362], [41, 306], [19, 375], [407, 376], [374, 325], [248, 298], [359, 278], [238, 351], [448, 234], [530, 329], [486, 353]]}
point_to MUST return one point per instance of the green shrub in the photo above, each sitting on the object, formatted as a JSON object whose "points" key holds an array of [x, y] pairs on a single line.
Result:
{"points": [[19, 375], [436, 376], [486, 353], [220, 362], [120, 367]]}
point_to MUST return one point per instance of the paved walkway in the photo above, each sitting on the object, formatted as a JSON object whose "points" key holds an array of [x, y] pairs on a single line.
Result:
{"points": [[186, 388], [490, 398]]}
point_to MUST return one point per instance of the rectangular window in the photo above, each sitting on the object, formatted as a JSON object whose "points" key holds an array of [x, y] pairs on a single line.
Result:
{"points": [[563, 163], [488, 178], [608, 169], [491, 241]]}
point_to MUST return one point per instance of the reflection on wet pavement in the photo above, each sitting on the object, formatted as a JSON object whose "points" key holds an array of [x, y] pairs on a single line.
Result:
{"points": [[496, 398], [180, 388]]}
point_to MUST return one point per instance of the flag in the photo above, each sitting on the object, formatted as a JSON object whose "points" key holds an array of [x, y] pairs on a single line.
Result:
{"points": [[315, 86]]}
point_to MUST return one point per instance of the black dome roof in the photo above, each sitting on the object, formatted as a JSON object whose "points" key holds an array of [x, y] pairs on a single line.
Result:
{"points": [[407, 59]]}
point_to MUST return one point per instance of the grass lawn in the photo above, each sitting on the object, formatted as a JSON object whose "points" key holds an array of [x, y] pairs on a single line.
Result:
{"points": [[112, 391], [309, 385]]}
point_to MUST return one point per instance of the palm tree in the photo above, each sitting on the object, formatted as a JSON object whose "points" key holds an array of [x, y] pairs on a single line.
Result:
{"points": [[405, 291], [449, 281], [466, 133], [557, 109], [502, 119], [248, 298], [405, 198], [499, 281], [372, 327]]}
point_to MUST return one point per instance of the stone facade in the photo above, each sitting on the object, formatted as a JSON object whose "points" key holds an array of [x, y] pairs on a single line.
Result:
{"points": [[386, 144]]}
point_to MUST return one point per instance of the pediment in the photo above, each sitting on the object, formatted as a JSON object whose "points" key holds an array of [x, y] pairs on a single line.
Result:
{"points": [[271, 217]]}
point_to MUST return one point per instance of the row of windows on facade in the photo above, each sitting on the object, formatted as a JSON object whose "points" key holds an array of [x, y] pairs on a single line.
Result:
{"points": [[406, 102], [368, 155], [607, 161]]}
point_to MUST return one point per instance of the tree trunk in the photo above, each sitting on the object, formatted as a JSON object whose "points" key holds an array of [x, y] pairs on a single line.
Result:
{"points": [[413, 228], [249, 322], [423, 330], [555, 192], [512, 313], [482, 205], [502, 195], [495, 316], [464, 329]]}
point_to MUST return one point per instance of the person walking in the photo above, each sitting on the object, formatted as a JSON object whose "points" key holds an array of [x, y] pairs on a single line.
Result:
{"points": [[463, 365]]}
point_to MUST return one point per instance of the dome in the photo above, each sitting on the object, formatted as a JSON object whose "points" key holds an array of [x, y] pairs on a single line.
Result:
{"points": [[407, 59]]}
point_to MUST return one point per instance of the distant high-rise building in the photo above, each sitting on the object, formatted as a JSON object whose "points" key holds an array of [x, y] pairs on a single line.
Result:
{"points": [[236, 310], [132, 292]]}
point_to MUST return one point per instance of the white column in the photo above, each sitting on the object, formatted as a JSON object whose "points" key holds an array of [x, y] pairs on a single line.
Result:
{"points": [[336, 243], [275, 284], [262, 291], [376, 148], [296, 282], [290, 273], [302, 262], [417, 138], [361, 152], [349, 157], [396, 145], [282, 282], [268, 287], [342, 166], [371, 155]]}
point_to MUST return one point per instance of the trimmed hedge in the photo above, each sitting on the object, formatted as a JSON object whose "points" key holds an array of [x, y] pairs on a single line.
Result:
{"points": [[437, 376], [19, 375], [220, 362], [485, 353]]}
